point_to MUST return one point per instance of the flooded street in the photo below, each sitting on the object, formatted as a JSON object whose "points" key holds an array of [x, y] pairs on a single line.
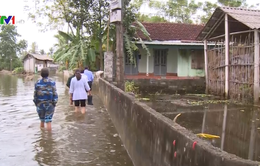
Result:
{"points": [[74, 141]]}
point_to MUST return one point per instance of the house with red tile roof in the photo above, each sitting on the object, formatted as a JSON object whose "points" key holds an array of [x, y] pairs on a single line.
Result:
{"points": [[174, 51]]}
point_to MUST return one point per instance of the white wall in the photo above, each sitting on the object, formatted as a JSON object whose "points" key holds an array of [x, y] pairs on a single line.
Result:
{"points": [[29, 65]]}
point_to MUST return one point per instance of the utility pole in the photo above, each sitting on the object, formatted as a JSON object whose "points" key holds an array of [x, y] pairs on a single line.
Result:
{"points": [[120, 50], [117, 12]]}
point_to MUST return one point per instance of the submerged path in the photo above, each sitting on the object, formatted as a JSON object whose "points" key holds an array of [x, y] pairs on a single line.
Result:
{"points": [[74, 141]]}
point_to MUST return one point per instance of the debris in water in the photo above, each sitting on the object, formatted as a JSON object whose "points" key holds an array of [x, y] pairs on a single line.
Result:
{"points": [[242, 110], [112, 151], [174, 120], [209, 136], [145, 99]]}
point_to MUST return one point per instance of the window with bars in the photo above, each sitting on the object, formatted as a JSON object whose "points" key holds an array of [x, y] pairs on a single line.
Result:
{"points": [[197, 59]]}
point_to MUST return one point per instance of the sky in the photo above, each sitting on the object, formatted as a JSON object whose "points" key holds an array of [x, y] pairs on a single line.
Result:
{"points": [[31, 32]]}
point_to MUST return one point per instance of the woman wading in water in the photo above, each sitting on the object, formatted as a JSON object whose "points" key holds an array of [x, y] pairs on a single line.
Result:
{"points": [[78, 91]]}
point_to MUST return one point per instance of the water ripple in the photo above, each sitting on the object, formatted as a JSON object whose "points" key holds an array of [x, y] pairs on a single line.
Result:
{"points": [[75, 140]]}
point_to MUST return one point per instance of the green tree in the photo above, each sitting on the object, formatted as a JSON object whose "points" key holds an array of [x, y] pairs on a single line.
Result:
{"points": [[87, 18], [42, 52], [208, 8], [10, 47], [34, 48], [51, 51], [181, 11], [73, 45], [55, 11], [150, 19], [233, 3], [99, 19]]}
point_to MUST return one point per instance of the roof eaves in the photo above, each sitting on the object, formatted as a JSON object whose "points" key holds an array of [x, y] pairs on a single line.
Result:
{"points": [[169, 43], [207, 28]]}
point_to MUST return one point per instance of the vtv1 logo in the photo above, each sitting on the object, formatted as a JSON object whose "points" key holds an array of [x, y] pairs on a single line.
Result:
{"points": [[4, 19]]}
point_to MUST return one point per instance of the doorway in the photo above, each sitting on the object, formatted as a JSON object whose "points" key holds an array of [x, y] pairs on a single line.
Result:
{"points": [[160, 62]]}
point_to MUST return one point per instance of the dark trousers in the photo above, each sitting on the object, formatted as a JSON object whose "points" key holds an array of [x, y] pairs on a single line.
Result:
{"points": [[90, 96], [90, 84]]}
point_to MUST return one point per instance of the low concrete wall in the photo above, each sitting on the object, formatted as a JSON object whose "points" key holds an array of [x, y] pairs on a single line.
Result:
{"points": [[168, 86], [154, 140]]}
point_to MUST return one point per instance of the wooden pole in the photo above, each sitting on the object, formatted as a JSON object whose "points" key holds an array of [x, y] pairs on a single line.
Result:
{"points": [[224, 128], [226, 57], [206, 66], [256, 66]]}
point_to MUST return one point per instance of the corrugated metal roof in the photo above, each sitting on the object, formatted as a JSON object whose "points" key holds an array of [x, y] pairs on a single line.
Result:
{"points": [[249, 17], [40, 57]]}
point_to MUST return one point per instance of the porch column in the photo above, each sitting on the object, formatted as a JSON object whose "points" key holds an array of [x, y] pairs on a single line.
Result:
{"points": [[226, 56], [206, 65], [147, 65], [256, 66]]}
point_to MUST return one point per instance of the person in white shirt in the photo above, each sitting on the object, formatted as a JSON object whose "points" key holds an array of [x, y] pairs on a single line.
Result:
{"points": [[78, 91]]}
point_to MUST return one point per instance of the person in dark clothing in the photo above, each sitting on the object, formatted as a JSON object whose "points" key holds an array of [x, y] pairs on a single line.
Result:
{"points": [[69, 79], [90, 76], [45, 98]]}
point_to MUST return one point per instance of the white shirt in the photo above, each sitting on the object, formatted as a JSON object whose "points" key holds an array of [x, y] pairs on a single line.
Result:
{"points": [[78, 88]]}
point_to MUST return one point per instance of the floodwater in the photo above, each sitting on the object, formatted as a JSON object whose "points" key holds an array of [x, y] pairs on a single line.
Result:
{"points": [[237, 126], [74, 140], [238, 129]]}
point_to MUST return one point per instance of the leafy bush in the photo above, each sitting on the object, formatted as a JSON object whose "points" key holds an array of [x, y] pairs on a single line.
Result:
{"points": [[130, 87], [19, 70]]}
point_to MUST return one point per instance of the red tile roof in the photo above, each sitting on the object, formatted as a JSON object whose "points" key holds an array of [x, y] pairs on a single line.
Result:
{"points": [[171, 31]]}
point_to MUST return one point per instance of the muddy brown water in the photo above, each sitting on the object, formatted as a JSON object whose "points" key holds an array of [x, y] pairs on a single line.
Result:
{"points": [[74, 141]]}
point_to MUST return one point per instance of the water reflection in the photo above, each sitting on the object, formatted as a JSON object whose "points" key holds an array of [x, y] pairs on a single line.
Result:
{"points": [[238, 129], [45, 149], [8, 85], [74, 140]]}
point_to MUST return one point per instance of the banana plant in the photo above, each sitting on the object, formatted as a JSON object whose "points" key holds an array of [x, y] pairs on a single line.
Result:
{"points": [[130, 38], [74, 48]]}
